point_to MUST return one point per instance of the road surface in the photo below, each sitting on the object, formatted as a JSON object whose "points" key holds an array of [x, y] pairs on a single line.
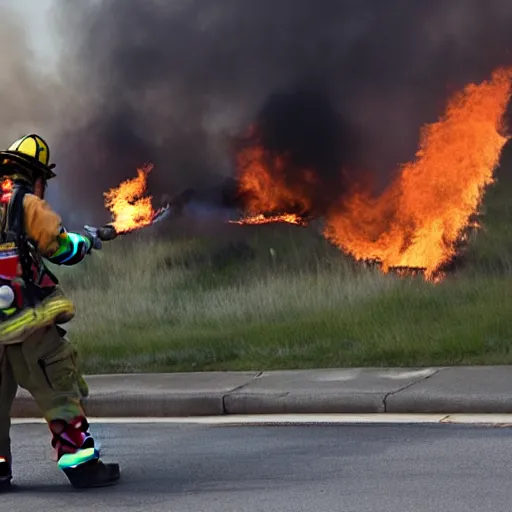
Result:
{"points": [[286, 468]]}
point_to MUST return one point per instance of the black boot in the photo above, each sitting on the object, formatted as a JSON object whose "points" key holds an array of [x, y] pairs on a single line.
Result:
{"points": [[93, 474], [5, 474]]}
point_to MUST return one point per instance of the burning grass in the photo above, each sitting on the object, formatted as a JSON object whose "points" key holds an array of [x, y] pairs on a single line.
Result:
{"points": [[416, 222], [282, 297]]}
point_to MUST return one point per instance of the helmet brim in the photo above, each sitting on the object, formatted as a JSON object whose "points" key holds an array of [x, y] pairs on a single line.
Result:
{"points": [[30, 163]]}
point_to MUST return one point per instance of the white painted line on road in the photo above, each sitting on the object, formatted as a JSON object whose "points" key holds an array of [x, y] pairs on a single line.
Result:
{"points": [[501, 419], [286, 419]]}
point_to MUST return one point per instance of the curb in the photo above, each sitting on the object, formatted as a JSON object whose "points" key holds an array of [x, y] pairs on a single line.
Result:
{"points": [[448, 390]]}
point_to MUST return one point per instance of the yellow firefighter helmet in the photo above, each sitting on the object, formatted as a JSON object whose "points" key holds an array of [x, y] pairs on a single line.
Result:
{"points": [[32, 153]]}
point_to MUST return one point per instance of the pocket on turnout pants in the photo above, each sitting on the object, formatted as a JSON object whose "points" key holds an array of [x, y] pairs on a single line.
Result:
{"points": [[61, 372]]}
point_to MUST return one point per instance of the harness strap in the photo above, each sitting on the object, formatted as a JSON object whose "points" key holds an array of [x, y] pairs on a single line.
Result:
{"points": [[15, 223]]}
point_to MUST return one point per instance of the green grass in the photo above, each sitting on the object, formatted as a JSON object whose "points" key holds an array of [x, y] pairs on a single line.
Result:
{"points": [[267, 297]]}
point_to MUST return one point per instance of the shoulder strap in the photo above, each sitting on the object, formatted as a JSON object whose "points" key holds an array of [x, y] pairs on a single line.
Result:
{"points": [[16, 225], [15, 221], [3, 222]]}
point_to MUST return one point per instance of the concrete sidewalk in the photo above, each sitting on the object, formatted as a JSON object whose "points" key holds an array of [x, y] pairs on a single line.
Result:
{"points": [[470, 389]]}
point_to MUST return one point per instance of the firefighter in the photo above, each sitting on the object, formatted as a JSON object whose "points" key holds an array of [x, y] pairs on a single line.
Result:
{"points": [[33, 350]]}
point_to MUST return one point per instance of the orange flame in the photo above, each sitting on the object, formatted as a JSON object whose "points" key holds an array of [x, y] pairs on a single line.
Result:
{"points": [[267, 192], [7, 186], [130, 207], [417, 221], [289, 218]]}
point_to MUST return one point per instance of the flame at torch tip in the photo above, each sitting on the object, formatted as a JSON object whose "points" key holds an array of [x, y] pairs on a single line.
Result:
{"points": [[130, 207]]}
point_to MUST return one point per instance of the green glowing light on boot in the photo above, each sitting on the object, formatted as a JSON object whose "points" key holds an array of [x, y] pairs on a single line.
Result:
{"points": [[72, 460]]}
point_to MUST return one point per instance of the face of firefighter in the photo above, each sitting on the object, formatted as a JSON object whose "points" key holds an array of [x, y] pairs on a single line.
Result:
{"points": [[40, 188]]}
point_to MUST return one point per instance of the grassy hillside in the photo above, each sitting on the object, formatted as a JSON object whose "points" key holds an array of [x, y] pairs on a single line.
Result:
{"points": [[267, 297]]}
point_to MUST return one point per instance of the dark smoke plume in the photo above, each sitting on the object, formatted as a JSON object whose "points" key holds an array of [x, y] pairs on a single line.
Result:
{"points": [[174, 81]]}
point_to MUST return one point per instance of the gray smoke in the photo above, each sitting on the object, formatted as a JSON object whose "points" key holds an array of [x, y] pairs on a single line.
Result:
{"points": [[30, 99], [173, 81]]}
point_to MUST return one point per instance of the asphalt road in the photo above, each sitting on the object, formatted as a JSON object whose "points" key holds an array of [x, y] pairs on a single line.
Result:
{"points": [[194, 468]]}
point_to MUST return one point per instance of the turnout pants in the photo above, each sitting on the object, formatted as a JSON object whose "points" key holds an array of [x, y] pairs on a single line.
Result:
{"points": [[45, 365]]}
